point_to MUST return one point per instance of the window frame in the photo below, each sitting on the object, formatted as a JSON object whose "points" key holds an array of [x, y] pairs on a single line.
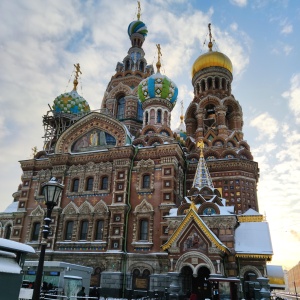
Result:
{"points": [[69, 231], [84, 230], [74, 190], [89, 186], [144, 230], [35, 234]]}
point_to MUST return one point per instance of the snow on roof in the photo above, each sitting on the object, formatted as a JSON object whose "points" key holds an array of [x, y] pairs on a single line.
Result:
{"points": [[226, 210], [251, 212], [9, 265], [173, 212], [275, 271], [15, 246], [253, 238], [13, 207]]}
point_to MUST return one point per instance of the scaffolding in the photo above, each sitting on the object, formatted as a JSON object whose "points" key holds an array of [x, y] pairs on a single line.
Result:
{"points": [[55, 123]]}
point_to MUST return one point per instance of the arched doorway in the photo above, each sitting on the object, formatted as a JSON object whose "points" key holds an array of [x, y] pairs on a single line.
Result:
{"points": [[249, 280], [199, 284]]}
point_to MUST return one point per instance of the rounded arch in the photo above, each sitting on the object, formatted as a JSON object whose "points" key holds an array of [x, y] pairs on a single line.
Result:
{"points": [[245, 154], [148, 128], [182, 261], [155, 140], [230, 101], [231, 143], [228, 154], [141, 266], [182, 209], [165, 128], [117, 91], [209, 100], [249, 268], [245, 145], [139, 142], [191, 111], [211, 153], [208, 208], [218, 142]]}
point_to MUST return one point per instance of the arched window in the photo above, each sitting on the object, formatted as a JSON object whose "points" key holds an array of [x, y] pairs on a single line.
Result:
{"points": [[69, 230], [104, 183], [121, 108], [158, 119], [146, 181], [147, 118], [89, 184], [139, 111], [75, 185], [84, 230], [35, 231], [144, 230], [7, 232], [99, 230], [141, 66], [127, 65]]}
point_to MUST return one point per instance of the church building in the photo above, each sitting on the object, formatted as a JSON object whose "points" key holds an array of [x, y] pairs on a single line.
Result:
{"points": [[150, 209]]}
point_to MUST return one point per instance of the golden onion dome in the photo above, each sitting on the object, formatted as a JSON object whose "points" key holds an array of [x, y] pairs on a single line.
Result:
{"points": [[211, 59]]}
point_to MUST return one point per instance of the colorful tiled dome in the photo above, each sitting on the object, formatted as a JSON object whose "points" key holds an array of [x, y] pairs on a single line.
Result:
{"points": [[158, 86], [71, 103], [137, 27]]}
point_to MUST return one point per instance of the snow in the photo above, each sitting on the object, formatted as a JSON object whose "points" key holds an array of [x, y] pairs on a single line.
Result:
{"points": [[13, 207], [15, 246], [9, 265], [251, 212], [253, 238]]}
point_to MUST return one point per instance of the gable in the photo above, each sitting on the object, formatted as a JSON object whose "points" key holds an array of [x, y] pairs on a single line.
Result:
{"points": [[185, 229], [93, 132]]}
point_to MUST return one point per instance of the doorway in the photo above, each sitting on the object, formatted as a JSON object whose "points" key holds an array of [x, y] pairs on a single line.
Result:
{"points": [[198, 285]]}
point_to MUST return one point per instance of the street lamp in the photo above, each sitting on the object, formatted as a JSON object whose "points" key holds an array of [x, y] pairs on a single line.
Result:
{"points": [[51, 191]]}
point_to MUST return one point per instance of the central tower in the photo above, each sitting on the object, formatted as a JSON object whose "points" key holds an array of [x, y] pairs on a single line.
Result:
{"points": [[216, 117]]}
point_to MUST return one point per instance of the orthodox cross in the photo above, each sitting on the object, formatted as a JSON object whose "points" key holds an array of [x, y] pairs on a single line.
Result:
{"points": [[34, 151], [210, 44], [158, 64], [139, 10], [200, 144], [77, 71]]}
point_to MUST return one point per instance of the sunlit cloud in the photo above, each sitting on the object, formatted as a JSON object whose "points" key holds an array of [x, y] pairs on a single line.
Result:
{"points": [[240, 3], [293, 96], [266, 126]]}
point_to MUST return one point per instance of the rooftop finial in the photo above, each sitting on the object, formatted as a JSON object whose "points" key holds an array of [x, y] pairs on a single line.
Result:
{"points": [[210, 44], [139, 10], [181, 116], [200, 145], [77, 71], [158, 64]]}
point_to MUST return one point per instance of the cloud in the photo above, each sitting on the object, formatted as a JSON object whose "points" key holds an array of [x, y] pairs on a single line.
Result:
{"points": [[293, 96], [266, 126], [240, 3], [286, 28]]}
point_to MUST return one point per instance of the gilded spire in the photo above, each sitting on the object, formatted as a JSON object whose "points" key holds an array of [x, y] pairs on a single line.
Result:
{"points": [[202, 177], [158, 64], [77, 71], [181, 116], [210, 44], [139, 11]]}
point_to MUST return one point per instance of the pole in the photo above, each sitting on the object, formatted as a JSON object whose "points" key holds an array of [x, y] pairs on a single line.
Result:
{"points": [[39, 272]]}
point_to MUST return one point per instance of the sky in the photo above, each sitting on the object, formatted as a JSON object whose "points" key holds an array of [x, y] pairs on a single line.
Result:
{"points": [[41, 41]]}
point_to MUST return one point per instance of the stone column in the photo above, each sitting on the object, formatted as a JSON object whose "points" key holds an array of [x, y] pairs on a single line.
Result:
{"points": [[221, 121]]}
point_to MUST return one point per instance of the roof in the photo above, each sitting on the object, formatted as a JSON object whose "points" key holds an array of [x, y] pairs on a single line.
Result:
{"points": [[13, 246], [13, 207], [252, 239]]}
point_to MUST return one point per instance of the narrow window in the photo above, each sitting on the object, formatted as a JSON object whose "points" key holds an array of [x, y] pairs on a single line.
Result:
{"points": [[69, 230], [142, 66], [75, 185], [99, 230], [8, 232], [147, 118], [159, 116], [104, 183], [84, 230], [146, 181], [139, 111], [89, 184], [35, 231], [121, 108], [144, 230]]}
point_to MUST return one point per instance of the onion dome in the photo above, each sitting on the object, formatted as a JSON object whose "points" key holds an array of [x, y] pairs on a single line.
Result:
{"points": [[137, 27], [211, 59], [71, 102], [158, 86]]}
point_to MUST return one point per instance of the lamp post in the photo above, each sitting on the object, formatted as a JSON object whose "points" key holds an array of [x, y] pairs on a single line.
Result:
{"points": [[51, 191]]}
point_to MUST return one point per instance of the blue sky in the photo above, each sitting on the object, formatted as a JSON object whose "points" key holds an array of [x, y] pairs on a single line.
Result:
{"points": [[41, 40]]}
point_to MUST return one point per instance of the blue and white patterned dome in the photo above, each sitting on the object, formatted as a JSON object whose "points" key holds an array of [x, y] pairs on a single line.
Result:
{"points": [[158, 86]]}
